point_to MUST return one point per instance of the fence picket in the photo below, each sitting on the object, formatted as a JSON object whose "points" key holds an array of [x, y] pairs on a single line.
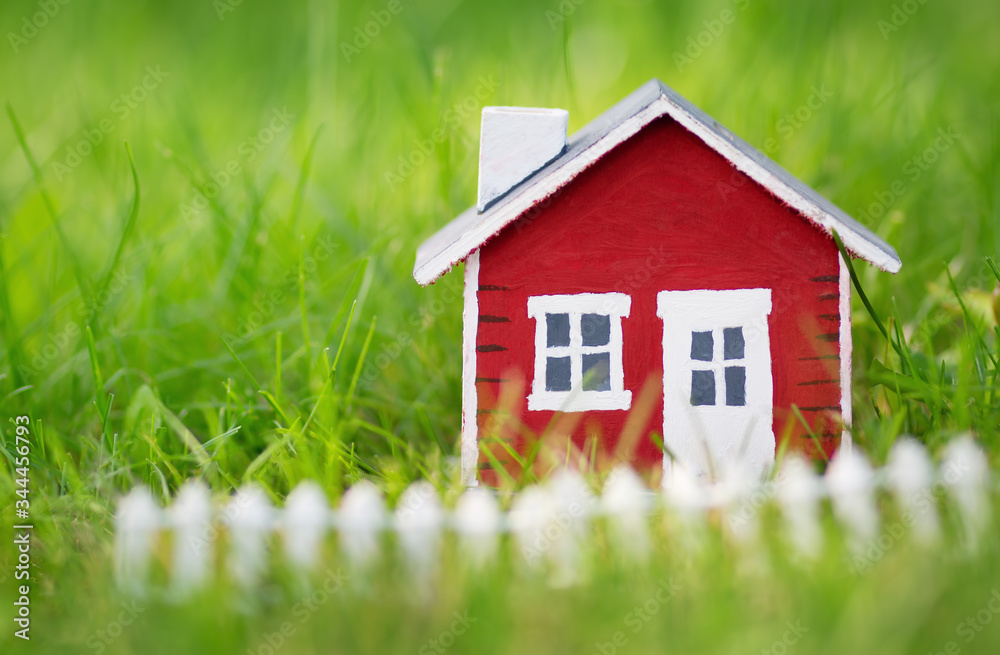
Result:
{"points": [[966, 473], [190, 515], [478, 522], [910, 474], [851, 483], [136, 523], [550, 523], [251, 519]]}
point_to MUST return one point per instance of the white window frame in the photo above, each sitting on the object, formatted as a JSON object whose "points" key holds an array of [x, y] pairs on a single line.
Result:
{"points": [[718, 365], [615, 305]]}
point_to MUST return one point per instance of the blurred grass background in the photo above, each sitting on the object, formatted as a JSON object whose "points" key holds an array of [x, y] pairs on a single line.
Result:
{"points": [[300, 255]]}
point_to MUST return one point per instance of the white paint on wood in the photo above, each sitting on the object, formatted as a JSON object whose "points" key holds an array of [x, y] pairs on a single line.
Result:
{"points": [[190, 515], [654, 99], [799, 491], [626, 501], [305, 524], [478, 521], [910, 474], [703, 437], [251, 518], [967, 475], [846, 353], [851, 484], [615, 305], [470, 395], [514, 143], [136, 524], [419, 523], [361, 520], [529, 515]]}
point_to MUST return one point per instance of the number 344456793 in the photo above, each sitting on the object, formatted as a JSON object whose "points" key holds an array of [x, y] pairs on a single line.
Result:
{"points": [[23, 447]]}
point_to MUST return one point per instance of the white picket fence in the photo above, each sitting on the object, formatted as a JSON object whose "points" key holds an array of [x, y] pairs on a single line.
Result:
{"points": [[550, 524]]}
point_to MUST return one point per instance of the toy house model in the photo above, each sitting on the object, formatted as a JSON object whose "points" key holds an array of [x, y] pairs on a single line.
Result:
{"points": [[653, 275]]}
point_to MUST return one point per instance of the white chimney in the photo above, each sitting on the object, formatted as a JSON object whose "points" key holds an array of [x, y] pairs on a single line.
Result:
{"points": [[515, 142]]}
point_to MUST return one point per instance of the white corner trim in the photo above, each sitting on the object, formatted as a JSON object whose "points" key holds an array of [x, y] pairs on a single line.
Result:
{"points": [[615, 305], [846, 353], [470, 396], [779, 187]]}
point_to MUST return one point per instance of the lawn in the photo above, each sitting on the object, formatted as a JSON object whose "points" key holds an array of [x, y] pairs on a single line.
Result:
{"points": [[208, 218]]}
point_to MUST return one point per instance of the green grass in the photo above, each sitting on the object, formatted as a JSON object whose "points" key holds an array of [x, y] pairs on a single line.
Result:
{"points": [[275, 334]]}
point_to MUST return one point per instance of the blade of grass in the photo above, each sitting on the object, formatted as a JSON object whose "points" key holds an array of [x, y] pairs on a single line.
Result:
{"points": [[95, 370], [127, 230], [50, 207], [357, 368], [304, 311], [300, 186]]}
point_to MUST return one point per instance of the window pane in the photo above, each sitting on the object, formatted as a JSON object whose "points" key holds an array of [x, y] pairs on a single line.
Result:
{"points": [[736, 386], [597, 372], [558, 329], [701, 346], [557, 374], [702, 388], [732, 343], [596, 329]]}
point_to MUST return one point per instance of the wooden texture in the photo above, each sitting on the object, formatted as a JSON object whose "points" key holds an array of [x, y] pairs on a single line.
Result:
{"points": [[662, 211]]}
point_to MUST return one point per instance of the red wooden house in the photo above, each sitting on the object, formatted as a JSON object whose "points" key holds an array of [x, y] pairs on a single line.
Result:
{"points": [[653, 275]]}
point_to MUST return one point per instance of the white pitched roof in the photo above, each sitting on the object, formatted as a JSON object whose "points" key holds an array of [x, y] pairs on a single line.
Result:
{"points": [[472, 229]]}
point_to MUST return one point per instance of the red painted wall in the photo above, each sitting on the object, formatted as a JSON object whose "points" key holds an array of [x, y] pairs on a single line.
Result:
{"points": [[662, 211]]}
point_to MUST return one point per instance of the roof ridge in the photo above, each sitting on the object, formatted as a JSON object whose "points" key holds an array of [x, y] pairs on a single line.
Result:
{"points": [[471, 229]]}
